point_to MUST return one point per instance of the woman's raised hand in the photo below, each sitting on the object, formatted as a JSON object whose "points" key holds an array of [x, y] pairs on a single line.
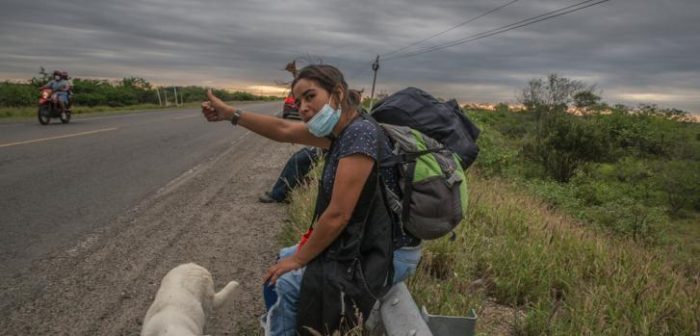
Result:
{"points": [[214, 109]]}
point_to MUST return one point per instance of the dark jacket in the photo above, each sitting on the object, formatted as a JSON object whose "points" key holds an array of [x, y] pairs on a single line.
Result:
{"points": [[344, 282]]}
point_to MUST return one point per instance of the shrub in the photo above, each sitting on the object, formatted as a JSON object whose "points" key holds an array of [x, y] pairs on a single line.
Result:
{"points": [[514, 125], [15, 94], [599, 183], [680, 180], [627, 217], [495, 158], [564, 143]]}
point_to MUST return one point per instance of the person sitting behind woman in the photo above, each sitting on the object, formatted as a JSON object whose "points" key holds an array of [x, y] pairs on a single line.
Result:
{"points": [[294, 171]]}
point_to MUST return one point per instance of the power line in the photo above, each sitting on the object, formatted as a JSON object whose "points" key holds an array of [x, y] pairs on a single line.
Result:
{"points": [[512, 26], [366, 66], [519, 24], [451, 28], [359, 71]]}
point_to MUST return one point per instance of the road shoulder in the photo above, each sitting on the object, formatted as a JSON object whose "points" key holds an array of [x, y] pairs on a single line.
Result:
{"points": [[209, 215]]}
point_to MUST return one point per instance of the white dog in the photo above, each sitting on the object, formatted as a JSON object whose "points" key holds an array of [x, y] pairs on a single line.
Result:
{"points": [[185, 297]]}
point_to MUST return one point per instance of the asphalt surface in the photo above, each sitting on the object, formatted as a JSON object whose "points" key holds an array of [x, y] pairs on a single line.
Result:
{"points": [[60, 182]]}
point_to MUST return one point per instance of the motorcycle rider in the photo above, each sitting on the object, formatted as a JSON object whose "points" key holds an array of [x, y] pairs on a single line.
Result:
{"points": [[60, 87], [69, 91]]}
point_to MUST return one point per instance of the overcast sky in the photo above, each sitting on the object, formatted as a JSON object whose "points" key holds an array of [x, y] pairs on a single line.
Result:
{"points": [[634, 51]]}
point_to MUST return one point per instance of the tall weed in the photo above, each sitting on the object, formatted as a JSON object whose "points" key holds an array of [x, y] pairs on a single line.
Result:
{"points": [[564, 277]]}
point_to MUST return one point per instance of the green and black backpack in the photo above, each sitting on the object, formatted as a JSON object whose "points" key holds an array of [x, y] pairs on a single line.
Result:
{"points": [[431, 170]]}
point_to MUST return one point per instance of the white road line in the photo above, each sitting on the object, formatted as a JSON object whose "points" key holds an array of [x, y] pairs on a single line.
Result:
{"points": [[188, 116], [58, 137]]}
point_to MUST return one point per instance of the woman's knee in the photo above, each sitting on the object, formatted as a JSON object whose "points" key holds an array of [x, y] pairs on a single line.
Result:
{"points": [[288, 286]]}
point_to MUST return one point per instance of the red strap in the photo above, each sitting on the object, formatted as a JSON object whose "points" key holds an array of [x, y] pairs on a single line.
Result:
{"points": [[304, 238]]}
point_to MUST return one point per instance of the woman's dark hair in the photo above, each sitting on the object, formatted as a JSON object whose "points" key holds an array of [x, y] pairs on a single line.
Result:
{"points": [[330, 79]]}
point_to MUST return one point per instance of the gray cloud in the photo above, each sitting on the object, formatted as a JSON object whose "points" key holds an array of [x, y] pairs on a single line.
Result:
{"points": [[635, 51]]}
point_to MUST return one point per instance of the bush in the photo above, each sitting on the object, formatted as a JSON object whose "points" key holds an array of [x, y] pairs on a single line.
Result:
{"points": [[514, 125], [15, 95], [627, 217], [643, 134], [88, 99], [564, 143], [599, 183], [495, 158], [680, 180], [595, 192], [556, 194]]}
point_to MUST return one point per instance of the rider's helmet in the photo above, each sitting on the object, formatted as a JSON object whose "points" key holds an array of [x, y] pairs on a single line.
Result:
{"points": [[57, 74], [64, 74]]}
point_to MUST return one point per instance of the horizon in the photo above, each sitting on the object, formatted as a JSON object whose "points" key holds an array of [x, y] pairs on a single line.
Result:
{"points": [[279, 91]]}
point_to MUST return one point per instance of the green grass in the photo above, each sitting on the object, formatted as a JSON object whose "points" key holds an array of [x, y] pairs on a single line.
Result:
{"points": [[558, 276], [300, 211], [683, 245]]}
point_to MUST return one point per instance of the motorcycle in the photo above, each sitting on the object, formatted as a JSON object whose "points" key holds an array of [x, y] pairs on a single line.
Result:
{"points": [[48, 109], [290, 109]]}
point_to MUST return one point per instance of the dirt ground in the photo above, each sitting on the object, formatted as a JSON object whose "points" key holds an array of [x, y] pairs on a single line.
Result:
{"points": [[209, 215]]}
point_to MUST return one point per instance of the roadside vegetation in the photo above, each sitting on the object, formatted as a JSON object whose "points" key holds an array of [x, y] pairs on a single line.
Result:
{"points": [[585, 224], [19, 99]]}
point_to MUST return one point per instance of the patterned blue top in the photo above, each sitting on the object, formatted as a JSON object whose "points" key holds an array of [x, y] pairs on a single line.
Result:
{"points": [[359, 137], [58, 85]]}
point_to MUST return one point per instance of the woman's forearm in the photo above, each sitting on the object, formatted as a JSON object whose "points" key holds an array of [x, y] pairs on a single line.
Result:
{"points": [[270, 127], [214, 109], [328, 228]]}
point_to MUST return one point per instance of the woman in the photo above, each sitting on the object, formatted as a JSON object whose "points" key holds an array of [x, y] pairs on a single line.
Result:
{"points": [[344, 262]]}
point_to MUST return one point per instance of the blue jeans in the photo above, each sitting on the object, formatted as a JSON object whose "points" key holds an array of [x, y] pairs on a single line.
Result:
{"points": [[283, 297], [293, 172]]}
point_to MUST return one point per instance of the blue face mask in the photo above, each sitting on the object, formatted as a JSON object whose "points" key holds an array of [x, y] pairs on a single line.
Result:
{"points": [[322, 123]]}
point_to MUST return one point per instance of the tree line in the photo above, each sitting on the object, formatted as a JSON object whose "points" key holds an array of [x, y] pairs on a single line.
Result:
{"points": [[101, 92]]}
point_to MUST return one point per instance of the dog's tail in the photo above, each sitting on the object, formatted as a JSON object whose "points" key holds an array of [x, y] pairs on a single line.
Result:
{"points": [[224, 294]]}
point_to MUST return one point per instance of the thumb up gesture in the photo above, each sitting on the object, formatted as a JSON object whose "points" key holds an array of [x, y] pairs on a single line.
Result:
{"points": [[214, 109]]}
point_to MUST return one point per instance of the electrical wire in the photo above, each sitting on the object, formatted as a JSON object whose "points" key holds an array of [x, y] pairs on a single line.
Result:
{"points": [[359, 70], [450, 29], [503, 29]]}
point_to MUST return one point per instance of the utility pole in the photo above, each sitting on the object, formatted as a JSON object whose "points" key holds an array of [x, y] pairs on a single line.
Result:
{"points": [[160, 103], [175, 91], [375, 67]]}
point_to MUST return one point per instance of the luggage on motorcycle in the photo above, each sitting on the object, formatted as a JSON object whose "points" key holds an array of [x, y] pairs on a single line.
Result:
{"points": [[444, 122]]}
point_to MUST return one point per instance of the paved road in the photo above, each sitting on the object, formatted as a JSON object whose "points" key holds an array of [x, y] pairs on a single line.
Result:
{"points": [[59, 182]]}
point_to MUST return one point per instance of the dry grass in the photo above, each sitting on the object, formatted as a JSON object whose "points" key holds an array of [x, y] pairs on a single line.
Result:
{"points": [[530, 271]]}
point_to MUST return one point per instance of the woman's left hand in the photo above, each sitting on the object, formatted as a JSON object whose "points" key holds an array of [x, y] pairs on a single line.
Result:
{"points": [[283, 266]]}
